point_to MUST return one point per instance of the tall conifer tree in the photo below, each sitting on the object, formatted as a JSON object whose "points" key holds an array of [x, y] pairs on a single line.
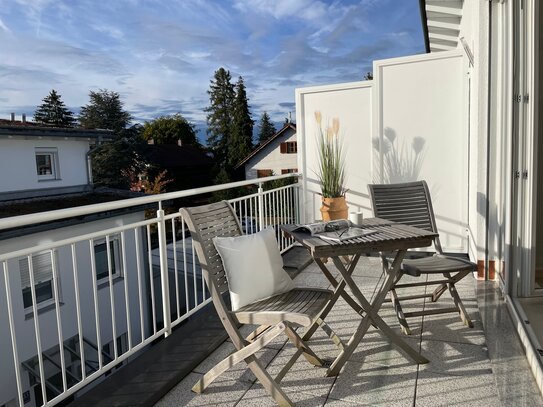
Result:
{"points": [[53, 111], [241, 141], [267, 129], [219, 115]]}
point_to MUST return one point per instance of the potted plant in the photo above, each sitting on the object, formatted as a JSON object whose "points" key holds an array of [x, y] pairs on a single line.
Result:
{"points": [[331, 170]]}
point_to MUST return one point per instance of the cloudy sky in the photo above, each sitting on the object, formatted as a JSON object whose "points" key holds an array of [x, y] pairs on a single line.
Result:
{"points": [[161, 54]]}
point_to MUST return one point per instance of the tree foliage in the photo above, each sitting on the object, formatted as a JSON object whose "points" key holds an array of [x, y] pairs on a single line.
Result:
{"points": [[111, 159], [267, 129], [104, 111], [54, 111], [219, 115], [241, 140], [170, 129]]}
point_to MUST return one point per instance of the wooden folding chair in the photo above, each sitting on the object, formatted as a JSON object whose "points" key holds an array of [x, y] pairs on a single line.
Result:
{"points": [[410, 204], [275, 315]]}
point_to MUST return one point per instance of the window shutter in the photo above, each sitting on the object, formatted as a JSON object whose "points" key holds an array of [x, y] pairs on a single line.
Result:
{"points": [[283, 148], [42, 268]]}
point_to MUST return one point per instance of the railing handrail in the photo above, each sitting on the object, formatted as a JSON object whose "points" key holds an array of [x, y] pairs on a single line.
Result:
{"points": [[34, 218]]}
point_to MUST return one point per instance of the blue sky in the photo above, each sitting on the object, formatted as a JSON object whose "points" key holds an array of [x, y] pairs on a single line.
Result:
{"points": [[161, 54]]}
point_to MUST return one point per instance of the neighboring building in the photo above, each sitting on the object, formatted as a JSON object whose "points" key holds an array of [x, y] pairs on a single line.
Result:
{"points": [[277, 155], [42, 169], [37, 160]]}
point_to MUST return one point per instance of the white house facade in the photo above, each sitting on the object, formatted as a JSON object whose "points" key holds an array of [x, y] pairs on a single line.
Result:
{"points": [[277, 155], [80, 289]]}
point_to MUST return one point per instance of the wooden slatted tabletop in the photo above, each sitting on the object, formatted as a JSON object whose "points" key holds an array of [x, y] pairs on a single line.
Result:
{"points": [[388, 236]]}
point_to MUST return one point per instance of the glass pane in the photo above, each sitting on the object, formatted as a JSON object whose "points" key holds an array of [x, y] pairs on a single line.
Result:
{"points": [[44, 164], [44, 292], [100, 258]]}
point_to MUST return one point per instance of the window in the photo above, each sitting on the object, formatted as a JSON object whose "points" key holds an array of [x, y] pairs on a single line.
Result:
{"points": [[289, 171], [101, 258], [47, 163], [42, 269], [289, 147], [264, 173]]}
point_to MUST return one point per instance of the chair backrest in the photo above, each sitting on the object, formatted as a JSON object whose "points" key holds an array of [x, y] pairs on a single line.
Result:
{"points": [[206, 222], [408, 203]]}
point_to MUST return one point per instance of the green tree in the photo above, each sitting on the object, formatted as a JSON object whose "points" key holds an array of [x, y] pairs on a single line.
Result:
{"points": [[267, 129], [104, 111], [111, 160], [241, 140], [219, 115], [169, 129], [53, 111]]}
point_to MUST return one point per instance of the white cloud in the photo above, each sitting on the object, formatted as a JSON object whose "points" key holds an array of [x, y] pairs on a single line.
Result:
{"points": [[4, 27], [112, 31]]}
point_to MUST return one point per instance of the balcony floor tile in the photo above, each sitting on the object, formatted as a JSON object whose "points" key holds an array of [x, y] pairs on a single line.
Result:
{"points": [[460, 372]]}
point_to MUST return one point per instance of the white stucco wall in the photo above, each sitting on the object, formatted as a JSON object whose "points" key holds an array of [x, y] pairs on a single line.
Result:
{"points": [[351, 103], [421, 96], [48, 323], [424, 99], [271, 158], [18, 163]]}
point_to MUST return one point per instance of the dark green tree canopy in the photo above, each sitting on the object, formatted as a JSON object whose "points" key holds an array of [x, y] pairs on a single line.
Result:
{"points": [[53, 111], [170, 129], [104, 111], [267, 129], [110, 160], [219, 115], [241, 140]]}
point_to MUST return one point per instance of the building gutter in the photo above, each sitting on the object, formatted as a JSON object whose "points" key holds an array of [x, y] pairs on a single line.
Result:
{"points": [[424, 20]]}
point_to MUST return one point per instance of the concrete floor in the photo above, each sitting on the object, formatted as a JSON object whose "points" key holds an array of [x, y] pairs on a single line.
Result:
{"points": [[461, 372]]}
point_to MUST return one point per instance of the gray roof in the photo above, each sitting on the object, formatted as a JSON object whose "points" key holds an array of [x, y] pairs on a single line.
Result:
{"points": [[7, 130]]}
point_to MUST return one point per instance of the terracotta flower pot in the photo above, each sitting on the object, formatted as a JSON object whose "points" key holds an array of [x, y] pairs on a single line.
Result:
{"points": [[334, 208]]}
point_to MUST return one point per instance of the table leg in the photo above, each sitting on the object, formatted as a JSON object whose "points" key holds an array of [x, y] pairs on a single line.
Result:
{"points": [[371, 315], [348, 299]]}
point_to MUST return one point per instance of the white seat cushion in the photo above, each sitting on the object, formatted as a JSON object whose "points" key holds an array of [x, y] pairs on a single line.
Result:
{"points": [[253, 266]]}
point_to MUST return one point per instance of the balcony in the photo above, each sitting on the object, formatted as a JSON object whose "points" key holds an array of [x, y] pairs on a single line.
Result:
{"points": [[97, 310]]}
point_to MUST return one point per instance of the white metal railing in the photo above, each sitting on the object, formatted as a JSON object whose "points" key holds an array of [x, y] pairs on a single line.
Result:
{"points": [[153, 282]]}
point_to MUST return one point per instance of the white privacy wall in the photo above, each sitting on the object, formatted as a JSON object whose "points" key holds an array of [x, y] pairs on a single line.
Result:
{"points": [[351, 104], [409, 123]]}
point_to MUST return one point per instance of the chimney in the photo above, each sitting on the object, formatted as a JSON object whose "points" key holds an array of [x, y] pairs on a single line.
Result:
{"points": [[12, 117], [23, 118], [179, 142], [290, 117]]}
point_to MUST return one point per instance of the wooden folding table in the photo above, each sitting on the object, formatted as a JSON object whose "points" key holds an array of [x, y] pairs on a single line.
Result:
{"points": [[388, 236]]}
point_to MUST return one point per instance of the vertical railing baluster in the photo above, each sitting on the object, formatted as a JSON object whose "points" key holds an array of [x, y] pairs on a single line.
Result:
{"points": [[59, 319], [138, 246], [13, 334], [78, 311], [126, 299], [175, 270], [95, 298], [185, 271], [164, 280], [37, 327], [194, 279], [260, 206], [112, 298], [151, 276]]}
